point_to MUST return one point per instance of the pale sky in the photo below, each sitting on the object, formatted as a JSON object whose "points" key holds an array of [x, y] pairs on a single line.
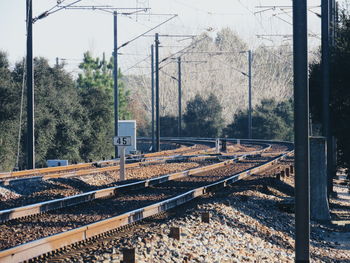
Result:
{"points": [[69, 33]]}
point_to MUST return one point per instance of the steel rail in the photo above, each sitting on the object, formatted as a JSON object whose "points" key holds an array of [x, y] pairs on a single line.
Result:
{"points": [[45, 206], [45, 245], [47, 173], [141, 162], [50, 205], [72, 167]]}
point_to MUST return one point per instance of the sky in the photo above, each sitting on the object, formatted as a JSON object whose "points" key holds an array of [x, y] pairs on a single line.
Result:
{"points": [[67, 34]]}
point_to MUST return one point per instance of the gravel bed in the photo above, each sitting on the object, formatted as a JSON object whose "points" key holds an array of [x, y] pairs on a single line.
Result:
{"points": [[246, 225], [25, 193], [22, 230]]}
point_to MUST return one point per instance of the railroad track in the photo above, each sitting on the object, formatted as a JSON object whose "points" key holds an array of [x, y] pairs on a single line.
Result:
{"points": [[56, 171], [13, 211], [88, 168], [83, 169], [86, 224]]}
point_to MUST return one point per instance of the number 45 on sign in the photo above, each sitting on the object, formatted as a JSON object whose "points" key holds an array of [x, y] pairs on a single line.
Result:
{"points": [[122, 141]]}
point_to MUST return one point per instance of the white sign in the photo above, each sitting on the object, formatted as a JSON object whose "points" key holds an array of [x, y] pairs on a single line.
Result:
{"points": [[122, 141]]}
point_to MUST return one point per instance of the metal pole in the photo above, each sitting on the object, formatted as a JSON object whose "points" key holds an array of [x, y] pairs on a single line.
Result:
{"points": [[115, 55], [179, 82], [250, 94], [331, 22], [326, 87], [157, 93], [30, 89], [152, 79], [301, 132]]}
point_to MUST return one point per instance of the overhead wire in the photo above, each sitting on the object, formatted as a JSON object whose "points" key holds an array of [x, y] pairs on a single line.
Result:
{"points": [[137, 63], [140, 35]]}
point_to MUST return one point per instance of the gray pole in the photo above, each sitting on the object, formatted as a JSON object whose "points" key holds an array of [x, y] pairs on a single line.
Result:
{"points": [[179, 82], [152, 80], [301, 132], [30, 89], [115, 55], [326, 87], [157, 93], [331, 22], [250, 94]]}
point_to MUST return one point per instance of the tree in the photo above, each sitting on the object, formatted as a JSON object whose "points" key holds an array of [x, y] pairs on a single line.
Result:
{"points": [[9, 113], [95, 86], [221, 74], [203, 117], [340, 92], [168, 126], [59, 117], [271, 120]]}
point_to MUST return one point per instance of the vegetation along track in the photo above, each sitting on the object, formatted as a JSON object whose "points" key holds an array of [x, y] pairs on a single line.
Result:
{"points": [[109, 212]]}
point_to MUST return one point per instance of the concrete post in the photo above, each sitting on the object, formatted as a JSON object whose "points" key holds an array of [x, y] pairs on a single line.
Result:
{"points": [[217, 145], [318, 179], [122, 164]]}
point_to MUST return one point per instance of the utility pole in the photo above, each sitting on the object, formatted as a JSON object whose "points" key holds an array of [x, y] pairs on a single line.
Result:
{"points": [[301, 132], [152, 80], [157, 93], [116, 91], [250, 94], [30, 88], [325, 45], [180, 95]]}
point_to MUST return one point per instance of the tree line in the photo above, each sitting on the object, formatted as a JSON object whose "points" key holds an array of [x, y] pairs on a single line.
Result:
{"points": [[74, 118]]}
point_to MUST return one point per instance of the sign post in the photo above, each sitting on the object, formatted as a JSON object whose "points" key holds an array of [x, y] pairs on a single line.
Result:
{"points": [[122, 142]]}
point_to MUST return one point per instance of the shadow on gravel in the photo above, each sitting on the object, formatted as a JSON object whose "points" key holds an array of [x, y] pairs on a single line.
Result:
{"points": [[266, 212], [26, 187]]}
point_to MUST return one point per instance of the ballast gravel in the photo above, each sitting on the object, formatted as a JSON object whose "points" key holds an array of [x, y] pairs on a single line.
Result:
{"points": [[245, 225]]}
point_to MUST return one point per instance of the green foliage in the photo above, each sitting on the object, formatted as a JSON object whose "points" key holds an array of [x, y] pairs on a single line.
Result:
{"points": [[168, 126], [203, 117], [99, 74], [340, 91], [9, 112], [270, 120], [95, 85], [74, 120], [58, 114]]}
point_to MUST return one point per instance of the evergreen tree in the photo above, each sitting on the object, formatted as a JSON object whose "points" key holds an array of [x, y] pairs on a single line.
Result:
{"points": [[58, 114], [168, 126], [340, 91], [9, 115], [270, 120], [95, 86], [203, 117]]}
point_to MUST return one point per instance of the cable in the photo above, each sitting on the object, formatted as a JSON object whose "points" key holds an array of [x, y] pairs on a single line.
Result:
{"points": [[128, 42], [168, 75], [137, 63], [49, 12]]}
